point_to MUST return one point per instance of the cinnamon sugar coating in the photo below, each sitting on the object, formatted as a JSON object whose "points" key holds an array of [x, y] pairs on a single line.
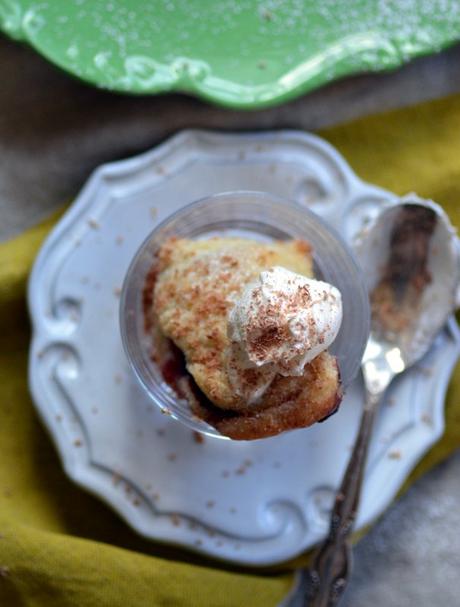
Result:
{"points": [[197, 283], [290, 403]]}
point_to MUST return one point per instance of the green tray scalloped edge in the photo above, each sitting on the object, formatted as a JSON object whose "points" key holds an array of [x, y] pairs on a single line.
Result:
{"points": [[377, 48]]}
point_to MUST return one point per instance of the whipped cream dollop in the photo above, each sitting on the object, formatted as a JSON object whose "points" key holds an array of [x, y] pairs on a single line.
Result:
{"points": [[281, 322]]}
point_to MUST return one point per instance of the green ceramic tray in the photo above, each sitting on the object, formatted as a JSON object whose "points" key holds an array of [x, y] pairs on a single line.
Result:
{"points": [[240, 53]]}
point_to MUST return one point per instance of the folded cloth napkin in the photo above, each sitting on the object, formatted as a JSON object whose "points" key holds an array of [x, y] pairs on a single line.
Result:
{"points": [[61, 547]]}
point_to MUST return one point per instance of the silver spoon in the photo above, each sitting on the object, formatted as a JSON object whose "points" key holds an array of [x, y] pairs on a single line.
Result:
{"points": [[411, 301]]}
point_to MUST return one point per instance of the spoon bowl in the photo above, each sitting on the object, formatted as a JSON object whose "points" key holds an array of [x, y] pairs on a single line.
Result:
{"points": [[419, 279]]}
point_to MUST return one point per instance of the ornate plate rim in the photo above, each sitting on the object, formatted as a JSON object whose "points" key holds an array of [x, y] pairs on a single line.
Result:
{"points": [[347, 56]]}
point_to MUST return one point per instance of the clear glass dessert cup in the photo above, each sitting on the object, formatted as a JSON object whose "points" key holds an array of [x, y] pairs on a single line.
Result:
{"points": [[257, 216]]}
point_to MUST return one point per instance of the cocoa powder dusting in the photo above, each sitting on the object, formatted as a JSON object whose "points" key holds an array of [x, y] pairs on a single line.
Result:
{"points": [[265, 331]]}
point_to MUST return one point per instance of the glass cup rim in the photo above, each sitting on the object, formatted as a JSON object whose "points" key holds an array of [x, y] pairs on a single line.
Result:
{"points": [[133, 348]]}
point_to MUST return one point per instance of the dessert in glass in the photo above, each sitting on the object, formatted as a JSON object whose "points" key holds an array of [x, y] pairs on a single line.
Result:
{"points": [[244, 316]]}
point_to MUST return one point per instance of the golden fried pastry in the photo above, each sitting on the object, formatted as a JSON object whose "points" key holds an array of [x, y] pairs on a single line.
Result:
{"points": [[253, 328]]}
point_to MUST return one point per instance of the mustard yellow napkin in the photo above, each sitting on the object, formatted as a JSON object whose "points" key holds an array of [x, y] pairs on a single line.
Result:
{"points": [[61, 547]]}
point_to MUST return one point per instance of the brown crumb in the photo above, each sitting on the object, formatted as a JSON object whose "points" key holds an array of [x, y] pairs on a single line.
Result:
{"points": [[172, 457], [153, 212], [210, 504], [266, 14], [241, 470], [395, 454], [156, 496], [427, 419], [77, 442], [118, 378], [127, 489], [425, 371], [160, 432], [93, 224], [119, 240], [117, 291], [116, 478], [198, 437], [160, 170], [175, 520], [73, 316], [136, 502], [4, 571], [262, 65]]}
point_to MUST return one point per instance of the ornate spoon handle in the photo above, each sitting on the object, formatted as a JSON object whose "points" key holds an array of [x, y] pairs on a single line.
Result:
{"points": [[331, 564]]}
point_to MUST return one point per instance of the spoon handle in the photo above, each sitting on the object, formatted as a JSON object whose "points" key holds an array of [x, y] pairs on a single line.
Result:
{"points": [[331, 564]]}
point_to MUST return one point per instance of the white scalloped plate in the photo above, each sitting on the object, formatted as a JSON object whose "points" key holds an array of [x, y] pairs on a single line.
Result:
{"points": [[257, 503]]}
